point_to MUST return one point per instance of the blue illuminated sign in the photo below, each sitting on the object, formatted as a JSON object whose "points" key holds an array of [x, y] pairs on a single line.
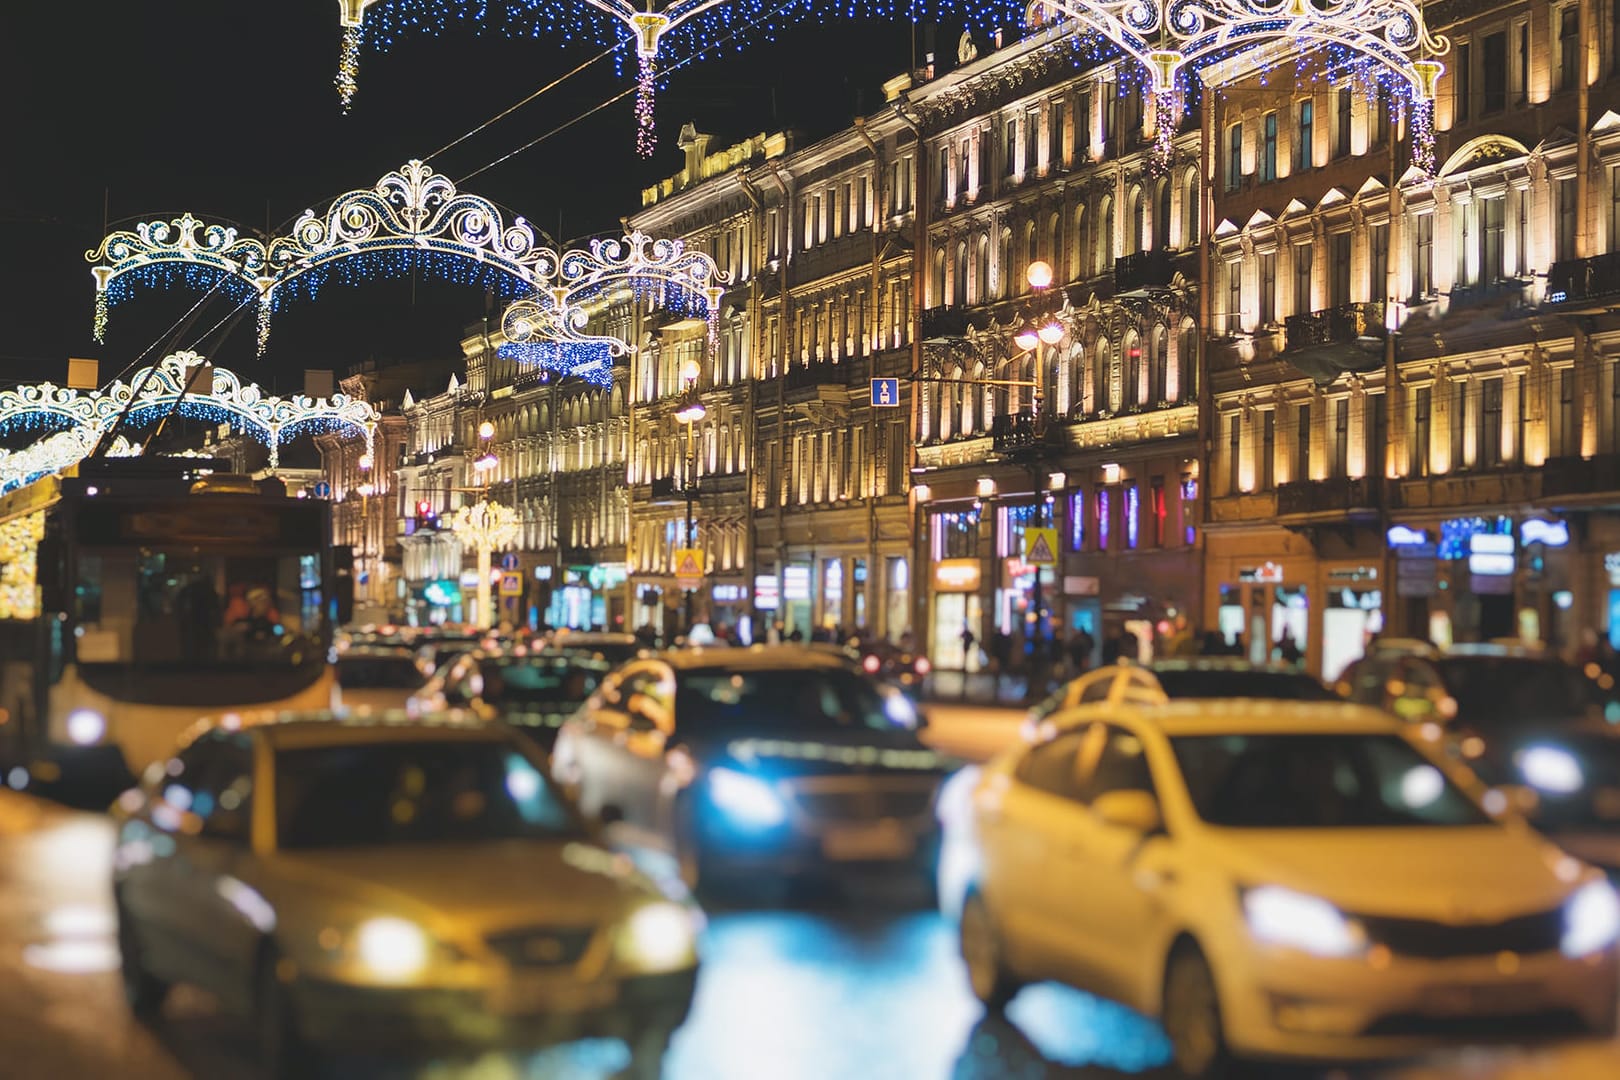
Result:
{"points": [[1546, 533]]}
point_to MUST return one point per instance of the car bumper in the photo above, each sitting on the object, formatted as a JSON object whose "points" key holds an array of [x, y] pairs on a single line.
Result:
{"points": [[529, 1009], [1294, 1006], [884, 847]]}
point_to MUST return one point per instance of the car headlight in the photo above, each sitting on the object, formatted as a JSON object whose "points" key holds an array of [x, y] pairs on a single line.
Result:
{"points": [[394, 950], [899, 709], [1552, 769], [746, 799], [85, 726], [1285, 917], [659, 936], [1591, 919]]}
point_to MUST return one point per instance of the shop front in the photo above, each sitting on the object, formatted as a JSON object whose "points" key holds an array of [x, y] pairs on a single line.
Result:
{"points": [[955, 612], [728, 610], [587, 597]]}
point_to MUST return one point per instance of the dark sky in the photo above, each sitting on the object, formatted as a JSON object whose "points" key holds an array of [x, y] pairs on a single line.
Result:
{"points": [[226, 108]]}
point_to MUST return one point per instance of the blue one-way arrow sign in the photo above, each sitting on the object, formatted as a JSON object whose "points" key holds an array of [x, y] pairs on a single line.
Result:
{"points": [[885, 393]]}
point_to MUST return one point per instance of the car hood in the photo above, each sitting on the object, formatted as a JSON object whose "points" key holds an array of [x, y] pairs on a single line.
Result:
{"points": [[477, 887], [1601, 849], [833, 753], [1481, 873]]}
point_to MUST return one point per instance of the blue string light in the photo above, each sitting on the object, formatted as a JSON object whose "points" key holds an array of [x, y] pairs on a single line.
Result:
{"points": [[354, 269], [588, 360]]}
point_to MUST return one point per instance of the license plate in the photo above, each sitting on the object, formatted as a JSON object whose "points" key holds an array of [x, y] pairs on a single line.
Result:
{"points": [[880, 840], [544, 993], [1470, 1000]]}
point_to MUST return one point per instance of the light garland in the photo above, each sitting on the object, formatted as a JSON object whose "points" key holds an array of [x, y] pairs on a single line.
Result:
{"points": [[165, 388], [19, 549], [646, 88], [485, 525], [55, 453], [412, 220], [591, 361], [348, 73]]}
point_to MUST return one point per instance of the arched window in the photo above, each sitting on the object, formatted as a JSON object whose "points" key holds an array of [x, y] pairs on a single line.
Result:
{"points": [[1074, 375], [937, 289], [1103, 236], [1028, 254], [1154, 391], [960, 270], [1054, 246], [1102, 369], [1136, 220], [981, 285], [1191, 206], [1186, 360], [1004, 259], [1161, 217], [1078, 243]]}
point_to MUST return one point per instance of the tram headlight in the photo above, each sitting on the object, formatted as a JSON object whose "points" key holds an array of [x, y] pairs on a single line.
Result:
{"points": [[85, 726]]}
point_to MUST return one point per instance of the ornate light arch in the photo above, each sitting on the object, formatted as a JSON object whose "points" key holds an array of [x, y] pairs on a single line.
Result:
{"points": [[412, 217]]}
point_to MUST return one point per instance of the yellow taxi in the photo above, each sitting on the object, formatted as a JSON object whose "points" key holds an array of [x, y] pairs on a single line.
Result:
{"points": [[1281, 880], [391, 880]]}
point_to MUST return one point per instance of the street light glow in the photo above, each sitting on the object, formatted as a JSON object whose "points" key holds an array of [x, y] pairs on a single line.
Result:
{"points": [[1051, 332], [486, 430], [1040, 274], [1027, 337]]}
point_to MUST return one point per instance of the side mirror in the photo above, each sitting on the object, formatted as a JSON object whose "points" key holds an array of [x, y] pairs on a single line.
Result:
{"points": [[1137, 811], [343, 585]]}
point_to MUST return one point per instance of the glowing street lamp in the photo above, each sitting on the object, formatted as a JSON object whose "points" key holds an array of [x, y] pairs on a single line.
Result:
{"points": [[485, 526]]}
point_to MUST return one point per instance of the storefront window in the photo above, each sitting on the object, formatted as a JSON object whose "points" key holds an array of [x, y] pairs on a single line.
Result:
{"points": [[1189, 509], [858, 567], [956, 535], [832, 593], [1290, 624], [1102, 519], [1349, 621], [1077, 520], [1010, 525], [1133, 515], [899, 599]]}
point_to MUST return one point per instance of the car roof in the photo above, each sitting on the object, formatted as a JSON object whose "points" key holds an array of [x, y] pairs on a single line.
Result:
{"points": [[756, 658], [296, 729], [1245, 716]]}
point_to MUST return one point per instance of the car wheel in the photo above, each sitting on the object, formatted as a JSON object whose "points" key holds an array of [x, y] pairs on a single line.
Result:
{"points": [[281, 1051], [984, 956], [1192, 1016], [144, 991]]}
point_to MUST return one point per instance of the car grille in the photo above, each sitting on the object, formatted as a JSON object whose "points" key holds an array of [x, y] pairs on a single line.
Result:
{"points": [[870, 801], [542, 946], [1536, 933]]}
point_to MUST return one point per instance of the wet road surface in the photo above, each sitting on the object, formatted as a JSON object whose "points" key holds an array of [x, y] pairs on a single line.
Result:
{"points": [[858, 986]]}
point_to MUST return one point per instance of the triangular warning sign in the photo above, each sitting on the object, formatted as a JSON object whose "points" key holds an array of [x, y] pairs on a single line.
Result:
{"points": [[1040, 552], [688, 564]]}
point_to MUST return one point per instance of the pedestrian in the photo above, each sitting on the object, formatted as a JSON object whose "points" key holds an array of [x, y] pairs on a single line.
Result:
{"points": [[1081, 647], [968, 641]]}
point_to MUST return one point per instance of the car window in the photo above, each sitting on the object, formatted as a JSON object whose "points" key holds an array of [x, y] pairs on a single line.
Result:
{"points": [[215, 782], [1121, 766], [1217, 682], [1367, 679], [378, 672], [1052, 767], [540, 682], [797, 701], [1310, 781], [1099, 688], [431, 791]]}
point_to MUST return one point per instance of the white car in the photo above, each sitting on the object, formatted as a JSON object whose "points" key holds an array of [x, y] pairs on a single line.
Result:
{"points": [[1278, 880]]}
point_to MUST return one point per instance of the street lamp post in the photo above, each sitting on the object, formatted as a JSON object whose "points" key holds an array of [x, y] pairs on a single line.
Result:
{"points": [[365, 489], [690, 412], [485, 526], [1045, 329]]}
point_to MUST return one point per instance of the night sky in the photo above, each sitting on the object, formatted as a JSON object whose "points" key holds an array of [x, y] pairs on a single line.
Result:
{"points": [[226, 108]]}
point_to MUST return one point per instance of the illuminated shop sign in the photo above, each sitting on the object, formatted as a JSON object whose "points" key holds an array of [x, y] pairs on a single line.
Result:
{"points": [[1406, 536], [1267, 573], [767, 597], [1491, 555], [730, 594], [796, 583], [1546, 533], [1456, 533], [956, 575]]}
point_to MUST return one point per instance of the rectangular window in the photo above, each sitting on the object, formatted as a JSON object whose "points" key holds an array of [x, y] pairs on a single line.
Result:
{"points": [[1302, 459], [1077, 520], [1376, 433], [1490, 255], [1110, 112], [1378, 263], [963, 160], [1339, 279], [1461, 90], [987, 167], [1268, 451], [1423, 256], [1011, 521], [1521, 71], [1133, 515], [1054, 142], [1382, 106], [1494, 72], [1304, 140], [1614, 208], [1566, 220], [1268, 287], [1341, 437], [1341, 125], [1158, 510], [1569, 442], [956, 535], [1234, 297], [1234, 157], [1102, 519], [1082, 125], [1459, 422], [1189, 510], [1488, 435], [1032, 140], [1268, 150], [1418, 462], [1234, 453], [1569, 46], [1303, 258], [944, 172], [1009, 146]]}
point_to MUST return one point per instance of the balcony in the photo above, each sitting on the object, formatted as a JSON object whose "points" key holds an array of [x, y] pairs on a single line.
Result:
{"points": [[1015, 431], [1348, 496], [1143, 273], [1594, 480], [1509, 293], [944, 323], [666, 489], [1579, 283], [817, 373], [1326, 344]]}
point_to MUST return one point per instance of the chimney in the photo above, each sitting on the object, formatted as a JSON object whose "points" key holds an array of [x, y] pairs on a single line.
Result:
{"points": [[696, 148]]}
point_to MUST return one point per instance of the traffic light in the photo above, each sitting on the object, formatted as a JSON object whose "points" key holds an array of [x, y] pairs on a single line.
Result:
{"points": [[424, 509]]}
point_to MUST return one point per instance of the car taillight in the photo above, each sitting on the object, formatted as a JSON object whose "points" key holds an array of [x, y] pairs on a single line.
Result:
{"points": [[923, 666], [871, 664]]}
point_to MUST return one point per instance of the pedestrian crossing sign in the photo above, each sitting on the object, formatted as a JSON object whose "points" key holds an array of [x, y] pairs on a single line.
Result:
{"points": [[511, 583], [1040, 547], [688, 563]]}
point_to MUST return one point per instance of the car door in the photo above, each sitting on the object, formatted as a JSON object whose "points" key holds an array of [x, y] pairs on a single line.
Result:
{"points": [[1116, 874], [1024, 838]]}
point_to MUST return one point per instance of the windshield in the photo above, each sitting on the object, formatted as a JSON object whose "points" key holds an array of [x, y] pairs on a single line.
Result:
{"points": [[155, 608], [378, 673], [1318, 782], [440, 791], [1237, 682], [803, 700], [549, 682], [1504, 691]]}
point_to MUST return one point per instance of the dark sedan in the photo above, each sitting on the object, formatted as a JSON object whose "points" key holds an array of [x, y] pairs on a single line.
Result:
{"points": [[773, 760], [532, 689]]}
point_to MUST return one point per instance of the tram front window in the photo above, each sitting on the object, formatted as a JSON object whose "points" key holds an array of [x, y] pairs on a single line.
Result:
{"points": [[150, 608]]}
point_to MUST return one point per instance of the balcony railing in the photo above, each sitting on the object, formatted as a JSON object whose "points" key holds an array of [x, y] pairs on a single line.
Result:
{"points": [[817, 373], [1143, 272], [943, 323], [1580, 281], [1013, 431], [1323, 496], [1349, 324]]}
